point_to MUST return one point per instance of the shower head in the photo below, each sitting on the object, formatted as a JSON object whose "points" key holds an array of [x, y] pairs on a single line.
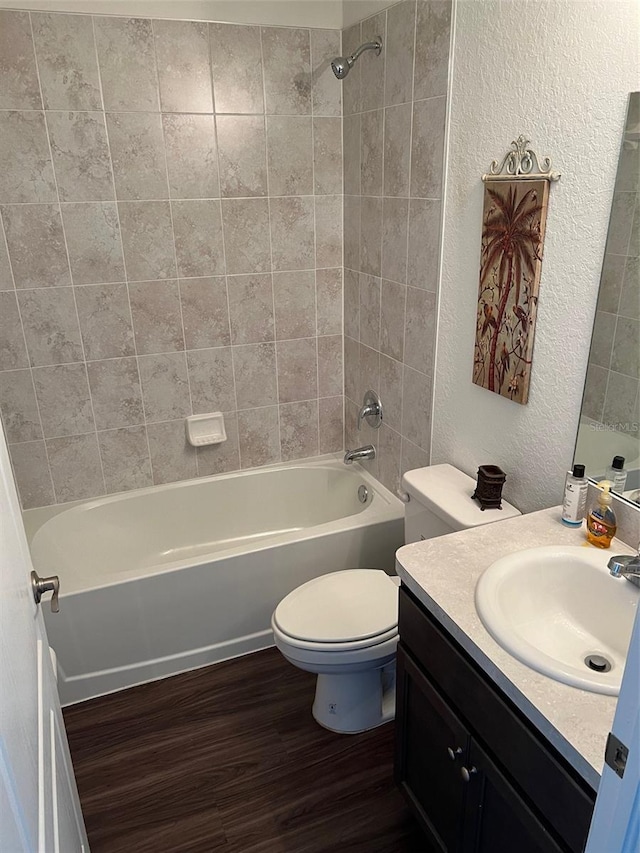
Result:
{"points": [[341, 65]]}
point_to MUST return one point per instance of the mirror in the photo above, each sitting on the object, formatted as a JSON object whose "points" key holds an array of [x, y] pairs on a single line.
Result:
{"points": [[610, 417]]}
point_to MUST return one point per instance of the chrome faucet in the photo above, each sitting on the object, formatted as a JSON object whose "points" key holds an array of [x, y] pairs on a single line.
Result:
{"points": [[626, 566], [366, 452]]}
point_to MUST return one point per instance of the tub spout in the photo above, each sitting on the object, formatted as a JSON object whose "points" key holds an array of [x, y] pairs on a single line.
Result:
{"points": [[366, 452]]}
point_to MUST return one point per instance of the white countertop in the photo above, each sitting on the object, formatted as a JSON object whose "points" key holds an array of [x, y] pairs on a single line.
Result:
{"points": [[442, 573]]}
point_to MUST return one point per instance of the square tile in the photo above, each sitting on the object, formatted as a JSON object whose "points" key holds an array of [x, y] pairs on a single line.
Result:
{"points": [[33, 477], [19, 88], [254, 367], [393, 265], [625, 357], [391, 372], [172, 458], [295, 304], [115, 392], [389, 454], [36, 245], [13, 351], [286, 57], [184, 73], [330, 381], [420, 330], [76, 469], [330, 424], [125, 459], [326, 96], [424, 243], [371, 152], [290, 155], [327, 156], [251, 308], [27, 173], [67, 61], [127, 61], [105, 320], [157, 321], [351, 93], [297, 370], [370, 235], [329, 301], [292, 238], [352, 304], [242, 156], [433, 33], [197, 226], [137, 153], [299, 430], [352, 369], [50, 324], [259, 436], [18, 406], [328, 222], [246, 235], [6, 277], [220, 458], [401, 20], [397, 150], [427, 147], [416, 407], [93, 241], [165, 386], [372, 65], [192, 156], [63, 397], [392, 306], [352, 151], [81, 156], [211, 378], [236, 66], [147, 239], [370, 310], [352, 217], [205, 312]]}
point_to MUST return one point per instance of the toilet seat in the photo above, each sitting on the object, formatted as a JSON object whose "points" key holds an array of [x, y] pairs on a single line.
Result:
{"points": [[321, 615]]}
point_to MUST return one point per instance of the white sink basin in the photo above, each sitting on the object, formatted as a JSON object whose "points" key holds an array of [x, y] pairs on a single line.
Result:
{"points": [[553, 607]]}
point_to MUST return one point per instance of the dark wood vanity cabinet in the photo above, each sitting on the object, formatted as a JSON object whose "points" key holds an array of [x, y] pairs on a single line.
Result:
{"points": [[477, 775]]}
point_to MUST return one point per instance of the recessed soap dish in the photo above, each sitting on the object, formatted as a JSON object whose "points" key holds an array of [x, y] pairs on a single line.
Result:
{"points": [[205, 429]]}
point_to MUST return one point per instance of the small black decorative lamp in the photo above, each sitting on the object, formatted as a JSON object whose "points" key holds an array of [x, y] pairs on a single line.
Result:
{"points": [[488, 491]]}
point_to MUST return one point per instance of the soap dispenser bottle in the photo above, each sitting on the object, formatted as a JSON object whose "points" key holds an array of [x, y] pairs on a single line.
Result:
{"points": [[616, 472], [601, 520]]}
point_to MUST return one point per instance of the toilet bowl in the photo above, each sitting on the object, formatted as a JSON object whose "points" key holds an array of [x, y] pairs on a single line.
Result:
{"points": [[352, 650], [343, 626]]}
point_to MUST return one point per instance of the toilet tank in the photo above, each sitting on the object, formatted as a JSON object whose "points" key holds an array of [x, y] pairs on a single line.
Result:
{"points": [[440, 502]]}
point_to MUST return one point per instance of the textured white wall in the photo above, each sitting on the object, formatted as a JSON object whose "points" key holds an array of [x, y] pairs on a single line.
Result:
{"points": [[289, 13], [558, 71]]}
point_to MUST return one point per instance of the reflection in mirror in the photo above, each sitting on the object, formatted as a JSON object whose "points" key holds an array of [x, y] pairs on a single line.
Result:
{"points": [[610, 417]]}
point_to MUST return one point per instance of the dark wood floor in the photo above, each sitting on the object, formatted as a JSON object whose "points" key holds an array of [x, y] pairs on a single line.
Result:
{"points": [[229, 759]]}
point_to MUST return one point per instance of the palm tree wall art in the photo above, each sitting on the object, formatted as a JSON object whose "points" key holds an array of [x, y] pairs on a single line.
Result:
{"points": [[513, 226]]}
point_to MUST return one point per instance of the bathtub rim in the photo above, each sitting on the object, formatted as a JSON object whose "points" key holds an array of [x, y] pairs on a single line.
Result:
{"points": [[388, 507]]}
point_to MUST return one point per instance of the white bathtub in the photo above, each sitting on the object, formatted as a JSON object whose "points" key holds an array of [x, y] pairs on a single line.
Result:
{"points": [[165, 579]]}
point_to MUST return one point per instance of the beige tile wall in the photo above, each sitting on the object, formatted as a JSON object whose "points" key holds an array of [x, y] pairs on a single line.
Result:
{"points": [[394, 120], [171, 200]]}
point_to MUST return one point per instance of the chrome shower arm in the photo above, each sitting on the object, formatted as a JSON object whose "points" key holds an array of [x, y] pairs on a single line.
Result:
{"points": [[370, 45]]}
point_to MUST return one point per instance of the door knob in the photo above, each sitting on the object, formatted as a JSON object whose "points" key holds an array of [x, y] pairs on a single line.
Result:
{"points": [[41, 585], [468, 773], [454, 753]]}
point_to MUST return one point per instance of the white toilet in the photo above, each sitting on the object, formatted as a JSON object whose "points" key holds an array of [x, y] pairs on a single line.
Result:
{"points": [[344, 625]]}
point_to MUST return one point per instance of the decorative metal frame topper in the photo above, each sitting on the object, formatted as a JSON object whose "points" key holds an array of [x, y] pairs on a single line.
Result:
{"points": [[518, 164]]}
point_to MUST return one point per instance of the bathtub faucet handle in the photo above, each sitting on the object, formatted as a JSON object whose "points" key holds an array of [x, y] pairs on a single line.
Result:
{"points": [[371, 410], [41, 585]]}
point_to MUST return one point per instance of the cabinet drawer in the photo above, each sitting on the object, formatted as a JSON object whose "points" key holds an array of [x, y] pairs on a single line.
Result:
{"points": [[541, 774]]}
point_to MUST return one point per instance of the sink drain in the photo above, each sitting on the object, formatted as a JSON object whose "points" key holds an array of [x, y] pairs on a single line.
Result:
{"points": [[598, 663]]}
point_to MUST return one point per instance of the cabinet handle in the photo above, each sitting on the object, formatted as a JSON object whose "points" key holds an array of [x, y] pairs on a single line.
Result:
{"points": [[467, 774], [454, 753]]}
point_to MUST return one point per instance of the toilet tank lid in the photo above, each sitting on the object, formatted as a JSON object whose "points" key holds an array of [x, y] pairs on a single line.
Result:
{"points": [[446, 492]]}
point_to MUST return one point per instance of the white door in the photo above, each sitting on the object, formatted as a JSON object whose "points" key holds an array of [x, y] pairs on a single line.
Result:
{"points": [[616, 820], [39, 805]]}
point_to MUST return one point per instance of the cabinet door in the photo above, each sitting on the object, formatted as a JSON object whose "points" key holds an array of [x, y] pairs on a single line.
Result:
{"points": [[431, 747], [497, 819]]}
